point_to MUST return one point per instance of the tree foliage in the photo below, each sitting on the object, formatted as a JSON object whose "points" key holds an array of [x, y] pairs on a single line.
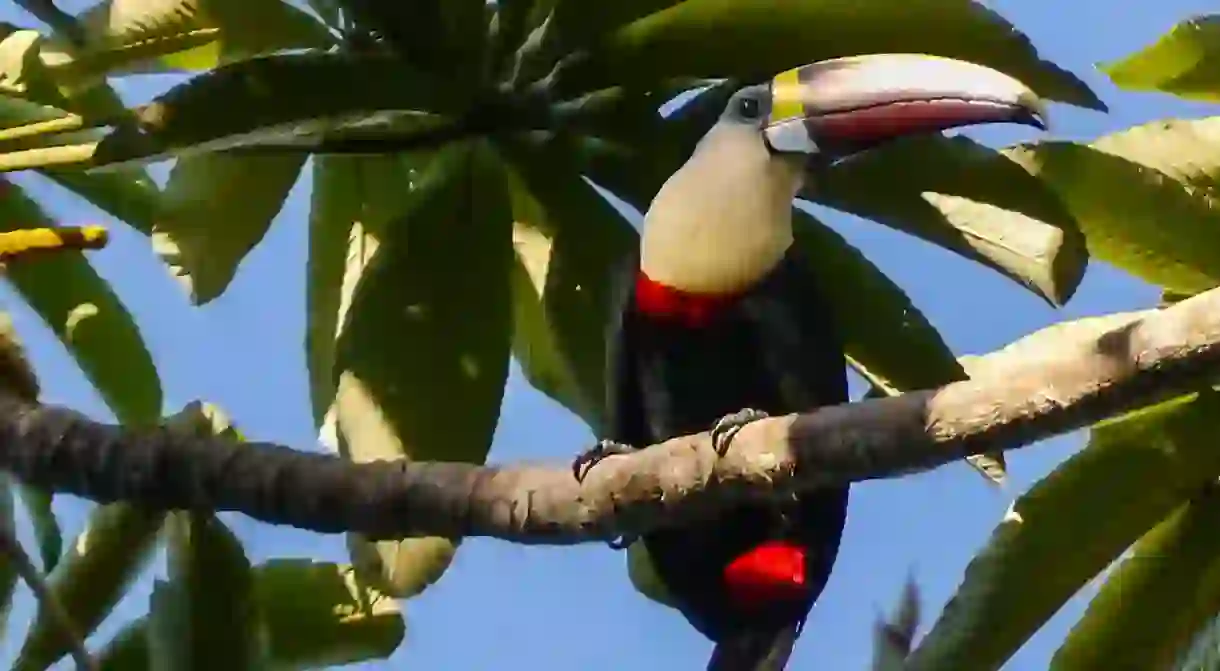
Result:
{"points": [[458, 157]]}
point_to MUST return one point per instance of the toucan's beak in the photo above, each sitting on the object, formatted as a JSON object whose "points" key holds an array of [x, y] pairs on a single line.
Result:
{"points": [[844, 106]]}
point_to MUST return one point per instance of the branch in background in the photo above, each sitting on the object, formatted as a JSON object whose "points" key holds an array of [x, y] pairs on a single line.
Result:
{"points": [[1029, 393]]}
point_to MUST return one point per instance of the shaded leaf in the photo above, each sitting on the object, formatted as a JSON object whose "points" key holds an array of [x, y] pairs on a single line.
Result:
{"points": [[353, 199], [1076, 520], [86, 315], [37, 502], [215, 209], [91, 578], [424, 354], [8, 571], [126, 36], [968, 198], [1155, 600], [689, 39], [437, 35], [571, 245], [127, 193], [317, 615], [1185, 62], [314, 616], [1144, 198], [884, 333], [205, 615], [260, 100]]}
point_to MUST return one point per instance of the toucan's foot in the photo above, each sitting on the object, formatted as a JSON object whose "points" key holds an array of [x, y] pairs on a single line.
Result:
{"points": [[726, 428], [590, 458]]}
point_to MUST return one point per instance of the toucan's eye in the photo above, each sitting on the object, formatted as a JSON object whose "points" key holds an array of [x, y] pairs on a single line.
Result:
{"points": [[749, 108]]}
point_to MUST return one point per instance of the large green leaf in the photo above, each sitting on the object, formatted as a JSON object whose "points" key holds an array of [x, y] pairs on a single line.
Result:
{"points": [[436, 35], [1185, 62], [763, 38], [429, 323], [126, 36], [314, 615], [1144, 198], [86, 315], [1070, 526], [884, 334], [1152, 603], [8, 570], [91, 578], [571, 245], [50, 539], [126, 193], [215, 209], [967, 198], [205, 615], [353, 199], [272, 99]]}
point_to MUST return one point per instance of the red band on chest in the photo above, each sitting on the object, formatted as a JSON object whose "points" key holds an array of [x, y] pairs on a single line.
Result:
{"points": [[658, 300], [773, 571]]}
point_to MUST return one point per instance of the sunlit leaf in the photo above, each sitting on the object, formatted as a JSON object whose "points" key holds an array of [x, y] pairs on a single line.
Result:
{"points": [[430, 321], [690, 39], [1070, 526], [1185, 62], [353, 199], [1151, 604], [967, 198], [1145, 198]]}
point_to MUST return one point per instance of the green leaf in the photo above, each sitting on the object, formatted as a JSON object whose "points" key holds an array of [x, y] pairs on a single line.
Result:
{"points": [[1185, 62], [127, 193], [430, 322], [206, 612], [970, 199], [148, 36], [91, 578], [86, 315], [314, 616], [1071, 525], [353, 199], [215, 209], [317, 616], [50, 540], [439, 36], [271, 99], [8, 572], [1152, 603], [884, 334], [689, 39], [570, 245], [1144, 198]]}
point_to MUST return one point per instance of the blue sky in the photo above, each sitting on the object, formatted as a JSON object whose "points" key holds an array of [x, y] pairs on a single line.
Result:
{"points": [[506, 607]]}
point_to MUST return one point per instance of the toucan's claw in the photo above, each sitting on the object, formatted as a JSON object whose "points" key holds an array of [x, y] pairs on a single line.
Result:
{"points": [[726, 428], [590, 458]]}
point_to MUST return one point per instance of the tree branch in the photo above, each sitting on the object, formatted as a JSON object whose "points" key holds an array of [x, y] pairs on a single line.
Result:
{"points": [[1056, 380]]}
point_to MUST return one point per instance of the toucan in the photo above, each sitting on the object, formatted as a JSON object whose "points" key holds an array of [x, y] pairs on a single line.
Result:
{"points": [[722, 323]]}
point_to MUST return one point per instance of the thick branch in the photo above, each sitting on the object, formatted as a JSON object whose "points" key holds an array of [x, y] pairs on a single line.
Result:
{"points": [[1054, 381]]}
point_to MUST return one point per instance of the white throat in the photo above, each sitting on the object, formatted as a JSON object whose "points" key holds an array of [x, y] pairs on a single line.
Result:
{"points": [[724, 219]]}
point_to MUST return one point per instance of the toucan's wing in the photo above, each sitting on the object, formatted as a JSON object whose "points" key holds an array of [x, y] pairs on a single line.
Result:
{"points": [[625, 420]]}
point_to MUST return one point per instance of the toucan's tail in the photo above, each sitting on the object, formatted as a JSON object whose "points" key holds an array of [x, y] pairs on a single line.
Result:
{"points": [[755, 650]]}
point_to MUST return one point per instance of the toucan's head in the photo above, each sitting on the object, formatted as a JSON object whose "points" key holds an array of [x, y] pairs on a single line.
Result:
{"points": [[833, 109]]}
